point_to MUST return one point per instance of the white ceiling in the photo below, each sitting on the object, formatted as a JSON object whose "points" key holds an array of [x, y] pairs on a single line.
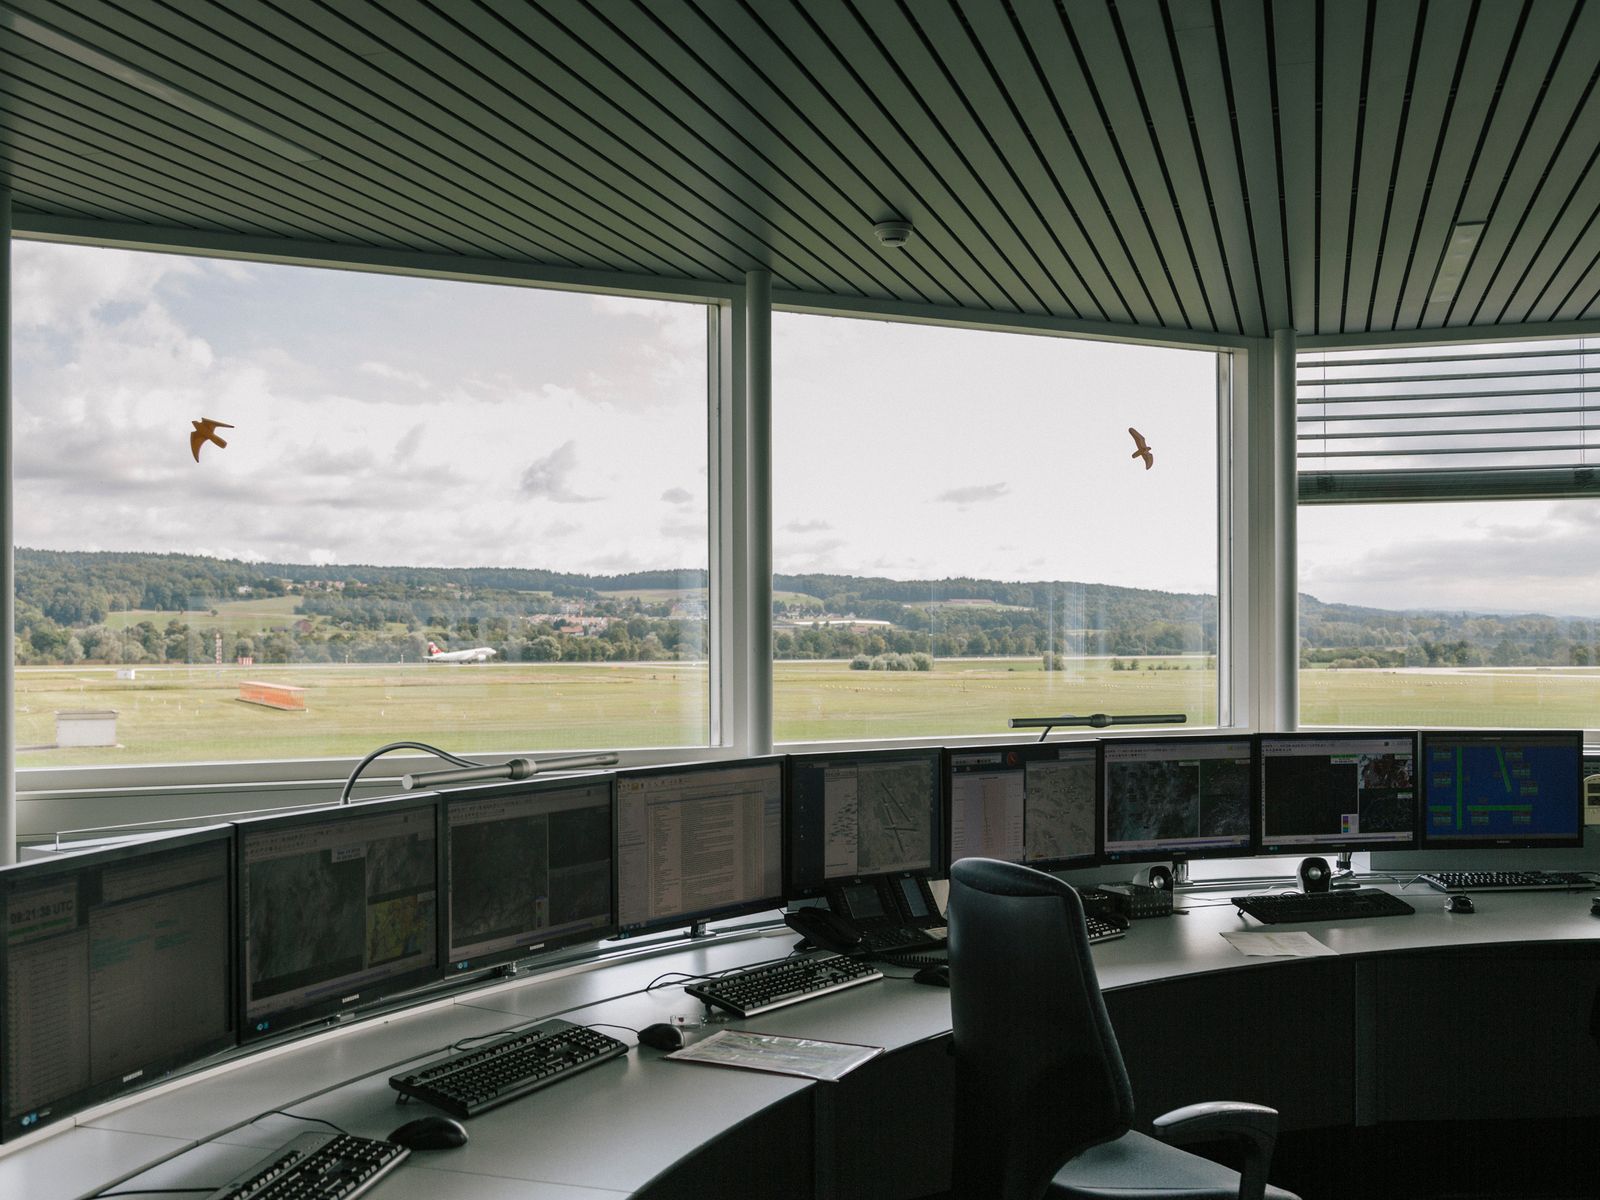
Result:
{"points": [[1227, 167]]}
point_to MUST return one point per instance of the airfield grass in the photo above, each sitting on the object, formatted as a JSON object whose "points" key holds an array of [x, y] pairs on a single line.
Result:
{"points": [[193, 714]]}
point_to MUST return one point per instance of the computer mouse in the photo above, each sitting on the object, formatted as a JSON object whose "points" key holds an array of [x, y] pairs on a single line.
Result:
{"points": [[430, 1133], [937, 975], [1460, 904], [662, 1036]]}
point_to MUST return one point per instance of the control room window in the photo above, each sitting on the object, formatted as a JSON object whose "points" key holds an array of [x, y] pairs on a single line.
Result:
{"points": [[468, 514], [1448, 520], [963, 533]]}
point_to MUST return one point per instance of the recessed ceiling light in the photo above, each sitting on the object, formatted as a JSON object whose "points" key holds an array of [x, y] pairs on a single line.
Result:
{"points": [[52, 38], [1457, 254]]}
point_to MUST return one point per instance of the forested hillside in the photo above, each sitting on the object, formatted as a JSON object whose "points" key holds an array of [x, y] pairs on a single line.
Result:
{"points": [[125, 607]]}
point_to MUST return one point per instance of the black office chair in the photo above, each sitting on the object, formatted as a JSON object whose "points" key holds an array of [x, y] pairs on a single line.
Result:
{"points": [[1042, 1102]]}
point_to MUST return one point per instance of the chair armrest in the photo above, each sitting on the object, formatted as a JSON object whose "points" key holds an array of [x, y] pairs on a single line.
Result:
{"points": [[1253, 1124]]}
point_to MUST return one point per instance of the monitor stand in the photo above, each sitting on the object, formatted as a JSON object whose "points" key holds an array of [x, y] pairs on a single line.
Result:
{"points": [[1180, 874], [1344, 873]]}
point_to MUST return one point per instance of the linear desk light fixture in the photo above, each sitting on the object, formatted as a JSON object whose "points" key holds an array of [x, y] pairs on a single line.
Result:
{"points": [[468, 771], [1097, 721], [1457, 253], [52, 38]]}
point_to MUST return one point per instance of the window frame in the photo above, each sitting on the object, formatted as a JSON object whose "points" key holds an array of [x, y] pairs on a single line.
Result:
{"points": [[96, 798], [1453, 486]]}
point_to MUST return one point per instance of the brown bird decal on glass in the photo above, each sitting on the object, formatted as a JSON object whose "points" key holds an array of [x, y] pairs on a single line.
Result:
{"points": [[205, 430], [1143, 450]]}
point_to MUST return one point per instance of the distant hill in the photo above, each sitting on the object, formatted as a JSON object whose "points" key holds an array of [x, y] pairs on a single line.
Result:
{"points": [[62, 592]]}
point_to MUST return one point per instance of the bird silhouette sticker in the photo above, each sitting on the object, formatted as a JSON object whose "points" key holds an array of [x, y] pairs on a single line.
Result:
{"points": [[1143, 450], [205, 430]]}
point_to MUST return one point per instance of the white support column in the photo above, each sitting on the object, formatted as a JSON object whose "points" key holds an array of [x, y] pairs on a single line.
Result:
{"points": [[8, 591], [1285, 539], [757, 510]]}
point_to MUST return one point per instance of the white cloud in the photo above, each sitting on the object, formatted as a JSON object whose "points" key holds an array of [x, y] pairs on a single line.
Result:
{"points": [[394, 374], [807, 527], [677, 495], [975, 494], [547, 478]]}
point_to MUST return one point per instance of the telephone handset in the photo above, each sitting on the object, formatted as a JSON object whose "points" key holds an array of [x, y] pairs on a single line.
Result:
{"points": [[824, 928]]}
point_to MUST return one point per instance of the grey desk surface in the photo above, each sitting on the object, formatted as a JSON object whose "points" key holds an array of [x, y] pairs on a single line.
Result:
{"points": [[612, 1129]]}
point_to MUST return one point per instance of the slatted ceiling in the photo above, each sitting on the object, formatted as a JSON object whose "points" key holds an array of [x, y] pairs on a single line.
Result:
{"points": [[1294, 59], [1248, 69], [1181, 164], [1430, 87], [934, 116], [1542, 173], [1383, 121], [1511, 144], [1056, 57], [996, 105]]}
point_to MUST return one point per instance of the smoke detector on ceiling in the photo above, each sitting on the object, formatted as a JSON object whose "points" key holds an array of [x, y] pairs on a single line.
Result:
{"points": [[894, 233]]}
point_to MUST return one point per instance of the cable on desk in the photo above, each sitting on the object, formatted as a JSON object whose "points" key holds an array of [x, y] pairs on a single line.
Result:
{"points": [[611, 1025], [297, 1117]]}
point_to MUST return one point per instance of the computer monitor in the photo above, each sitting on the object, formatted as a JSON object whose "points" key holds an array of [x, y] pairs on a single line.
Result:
{"points": [[338, 910], [1518, 789], [1175, 798], [1337, 791], [528, 869], [114, 971], [697, 842], [855, 816], [1034, 803]]}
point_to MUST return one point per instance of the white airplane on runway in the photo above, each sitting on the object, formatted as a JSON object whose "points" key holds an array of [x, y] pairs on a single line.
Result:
{"points": [[477, 654]]}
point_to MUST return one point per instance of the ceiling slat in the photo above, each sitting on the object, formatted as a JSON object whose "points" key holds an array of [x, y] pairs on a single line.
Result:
{"points": [[1064, 238], [1443, 34], [1120, 215], [1493, 33], [1384, 113], [1250, 75], [1540, 174], [1516, 141], [1213, 131], [1214, 166], [1295, 59], [1342, 71]]}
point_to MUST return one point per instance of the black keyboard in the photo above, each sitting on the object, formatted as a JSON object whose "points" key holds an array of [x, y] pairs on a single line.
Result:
{"points": [[326, 1166], [745, 993], [896, 938], [470, 1081], [1276, 908], [1102, 929], [1507, 881]]}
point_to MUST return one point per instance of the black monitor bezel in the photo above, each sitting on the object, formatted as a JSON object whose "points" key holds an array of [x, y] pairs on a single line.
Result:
{"points": [[1459, 842], [1337, 845], [456, 968], [1029, 751], [72, 862], [1182, 854], [937, 868], [691, 920], [378, 994]]}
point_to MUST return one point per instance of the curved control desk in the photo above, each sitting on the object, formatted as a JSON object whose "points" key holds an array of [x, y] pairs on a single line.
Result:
{"points": [[1432, 1017]]}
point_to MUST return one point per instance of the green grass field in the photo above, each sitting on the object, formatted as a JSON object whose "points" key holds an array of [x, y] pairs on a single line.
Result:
{"points": [[192, 714]]}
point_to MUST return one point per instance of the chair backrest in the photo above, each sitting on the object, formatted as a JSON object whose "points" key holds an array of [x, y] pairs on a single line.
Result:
{"points": [[1038, 1075]]}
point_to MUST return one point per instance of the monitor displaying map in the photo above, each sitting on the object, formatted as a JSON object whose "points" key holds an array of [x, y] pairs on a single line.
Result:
{"points": [[1033, 803], [338, 910], [853, 815], [1337, 791], [1175, 798], [1511, 788]]}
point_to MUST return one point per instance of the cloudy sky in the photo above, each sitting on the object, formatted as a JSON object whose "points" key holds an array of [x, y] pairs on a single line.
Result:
{"points": [[404, 421]]}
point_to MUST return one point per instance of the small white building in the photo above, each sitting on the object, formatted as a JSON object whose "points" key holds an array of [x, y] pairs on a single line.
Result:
{"points": [[86, 727]]}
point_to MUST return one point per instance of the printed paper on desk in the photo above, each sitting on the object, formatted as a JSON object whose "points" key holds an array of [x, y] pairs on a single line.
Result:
{"points": [[1294, 943], [806, 1057]]}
